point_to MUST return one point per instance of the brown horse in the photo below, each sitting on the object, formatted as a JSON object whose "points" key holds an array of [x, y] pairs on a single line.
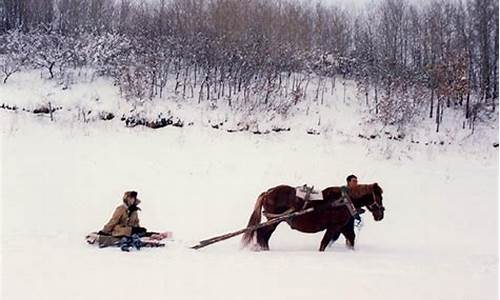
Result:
{"points": [[327, 215]]}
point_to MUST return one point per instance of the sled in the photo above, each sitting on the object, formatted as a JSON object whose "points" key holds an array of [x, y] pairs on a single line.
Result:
{"points": [[152, 241]]}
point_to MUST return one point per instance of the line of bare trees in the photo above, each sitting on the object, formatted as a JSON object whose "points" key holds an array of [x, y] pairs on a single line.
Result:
{"points": [[405, 57]]}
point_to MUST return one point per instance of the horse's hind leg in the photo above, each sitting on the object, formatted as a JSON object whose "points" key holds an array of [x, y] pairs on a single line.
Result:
{"points": [[329, 234], [332, 231], [348, 232], [335, 237], [264, 234]]}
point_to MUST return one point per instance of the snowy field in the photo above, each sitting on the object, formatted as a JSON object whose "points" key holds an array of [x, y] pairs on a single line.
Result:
{"points": [[439, 238]]}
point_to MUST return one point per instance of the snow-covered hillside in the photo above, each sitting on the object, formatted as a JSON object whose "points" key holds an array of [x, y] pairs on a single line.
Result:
{"points": [[62, 179], [81, 96]]}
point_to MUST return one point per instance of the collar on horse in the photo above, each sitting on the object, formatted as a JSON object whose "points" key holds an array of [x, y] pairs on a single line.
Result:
{"points": [[345, 200]]}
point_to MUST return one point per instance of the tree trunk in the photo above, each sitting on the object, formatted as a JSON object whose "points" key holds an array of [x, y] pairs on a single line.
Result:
{"points": [[366, 95], [177, 83], [343, 83], [268, 90], [6, 77], [323, 93], [208, 91], [432, 103], [316, 96], [195, 74], [333, 84], [215, 81], [279, 84], [184, 82], [51, 67], [438, 107], [51, 112], [467, 106]]}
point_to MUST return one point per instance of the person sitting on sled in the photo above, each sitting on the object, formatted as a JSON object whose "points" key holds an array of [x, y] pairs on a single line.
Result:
{"points": [[125, 219], [124, 230]]}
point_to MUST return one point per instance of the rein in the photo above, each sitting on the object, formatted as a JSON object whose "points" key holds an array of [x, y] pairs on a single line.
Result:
{"points": [[345, 200], [375, 204]]}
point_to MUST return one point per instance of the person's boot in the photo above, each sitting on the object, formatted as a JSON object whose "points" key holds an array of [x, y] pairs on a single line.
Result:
{"points": [[125, 244], [136, 241]]}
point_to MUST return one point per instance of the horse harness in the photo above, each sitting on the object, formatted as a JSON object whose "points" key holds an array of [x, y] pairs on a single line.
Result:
{"points": [[345, 200], [375, 204]]}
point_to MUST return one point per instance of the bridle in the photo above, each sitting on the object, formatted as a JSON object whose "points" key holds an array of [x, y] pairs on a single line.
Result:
{"points": [[375, 204]]}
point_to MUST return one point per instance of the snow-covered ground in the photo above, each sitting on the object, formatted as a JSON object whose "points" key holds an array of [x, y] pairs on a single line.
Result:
{"points": [[61, 180]]}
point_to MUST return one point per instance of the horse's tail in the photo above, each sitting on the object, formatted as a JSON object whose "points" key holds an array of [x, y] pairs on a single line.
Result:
{"points": [[254, 220]]}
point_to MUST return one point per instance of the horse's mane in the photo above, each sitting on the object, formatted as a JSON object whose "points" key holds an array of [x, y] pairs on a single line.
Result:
{"points": [[359, 191], [363, 189]]}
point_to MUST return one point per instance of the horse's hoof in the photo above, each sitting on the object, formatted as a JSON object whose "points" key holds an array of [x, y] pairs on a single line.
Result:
{"points": [[256, 248], [349, 245]]}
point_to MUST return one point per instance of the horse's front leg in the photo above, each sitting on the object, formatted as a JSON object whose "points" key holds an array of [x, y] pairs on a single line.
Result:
{"points": [[349, 234], [329, 234]]}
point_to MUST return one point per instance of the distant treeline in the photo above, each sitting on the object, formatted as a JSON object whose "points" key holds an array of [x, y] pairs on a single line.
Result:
{"points": [[405, 57]]}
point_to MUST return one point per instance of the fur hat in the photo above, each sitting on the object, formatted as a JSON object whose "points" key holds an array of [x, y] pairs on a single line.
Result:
{"points": [[128, 194]]}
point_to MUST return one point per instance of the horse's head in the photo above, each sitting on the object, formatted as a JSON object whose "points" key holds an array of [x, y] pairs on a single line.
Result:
{"points": [[369, 195]]}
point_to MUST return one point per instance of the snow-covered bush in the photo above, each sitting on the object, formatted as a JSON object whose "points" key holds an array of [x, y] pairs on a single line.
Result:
{"points": [[13, 53], [402, 106]]}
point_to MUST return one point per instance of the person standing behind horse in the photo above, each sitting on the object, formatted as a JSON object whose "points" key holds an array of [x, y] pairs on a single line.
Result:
{"points": [[125, 219], [352, 183], [348, 229]]}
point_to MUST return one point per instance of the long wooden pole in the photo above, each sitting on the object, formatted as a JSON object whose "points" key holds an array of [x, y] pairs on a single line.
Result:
{"points": [[226, 236]]}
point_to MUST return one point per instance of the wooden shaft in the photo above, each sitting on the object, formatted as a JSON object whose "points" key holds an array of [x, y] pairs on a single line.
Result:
{"points": [[226, 236]]}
